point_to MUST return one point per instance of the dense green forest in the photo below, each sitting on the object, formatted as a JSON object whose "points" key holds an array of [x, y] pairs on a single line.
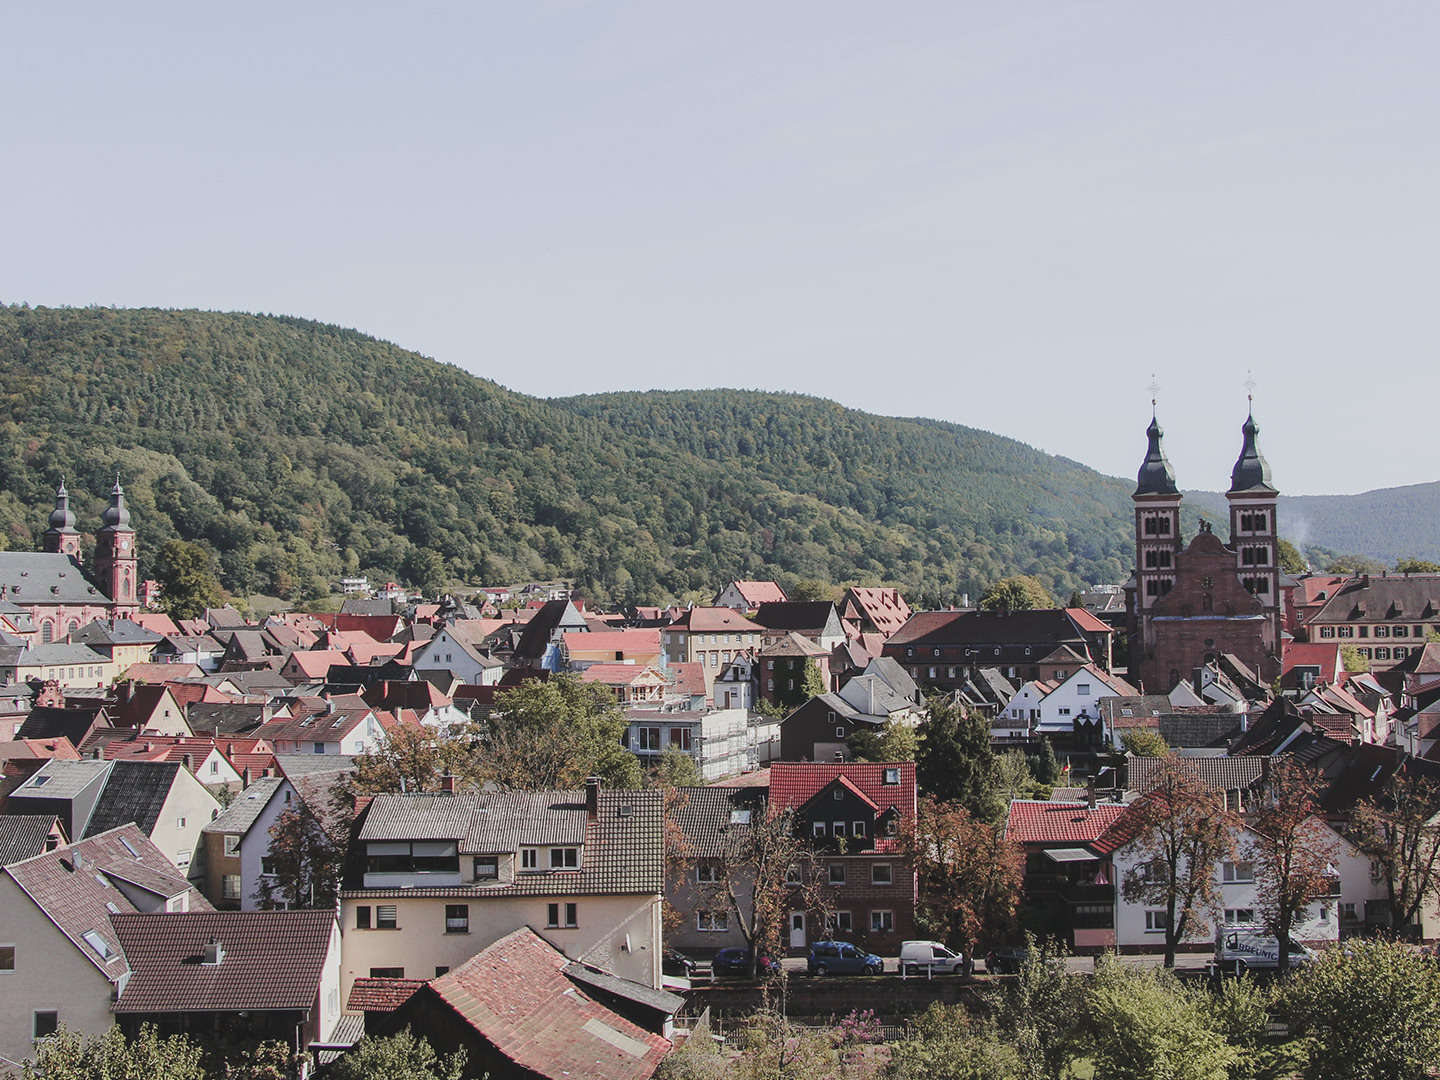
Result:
{"points": [[297, 451]]}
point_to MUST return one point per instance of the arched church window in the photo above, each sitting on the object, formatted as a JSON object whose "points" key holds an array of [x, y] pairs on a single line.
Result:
{"points": [[71, 627], [47, 632]]}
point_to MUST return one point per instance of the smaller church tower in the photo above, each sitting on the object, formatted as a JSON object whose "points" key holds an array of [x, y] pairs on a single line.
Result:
{"points": [[116, 569], [1253, 534], [61, 537]]}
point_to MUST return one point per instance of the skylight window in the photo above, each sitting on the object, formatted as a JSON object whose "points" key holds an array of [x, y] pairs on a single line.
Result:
{"points": [[129, 847], [99, 944]]}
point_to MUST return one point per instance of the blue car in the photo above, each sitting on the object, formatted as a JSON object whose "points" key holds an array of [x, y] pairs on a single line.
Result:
{"points": [[842, 958]]}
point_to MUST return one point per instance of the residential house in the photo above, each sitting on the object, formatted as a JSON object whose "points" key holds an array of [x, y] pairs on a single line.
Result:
{"points": [[435, 878], [237, 843], [521, 1009], [631, 684], [60, 960], [337, 725], [163, 798], [72, 667], [854, 814], [126, 643], [734, 687], [639, 647], [820, 729], [711, 637], [817, 621], [1385, 616], [459, 648], [241, 975], [714, 738], [943, 649], [746, 596], [782, 664], [713, 822]]}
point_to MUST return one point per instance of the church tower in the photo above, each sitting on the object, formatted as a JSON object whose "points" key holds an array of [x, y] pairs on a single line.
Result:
{"points": [[61, 537], [115, 563], [1253, 534], [1157, 540]]}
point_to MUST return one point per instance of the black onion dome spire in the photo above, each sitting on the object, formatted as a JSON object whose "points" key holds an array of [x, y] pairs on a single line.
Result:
{"points": [[1252, 471], [117, 514], [1156, 477], [62, 518]]}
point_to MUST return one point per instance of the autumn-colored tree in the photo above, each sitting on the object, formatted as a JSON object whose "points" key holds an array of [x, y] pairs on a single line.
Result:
{"points": [[1399, 830], [304, 863], [1179, 833], [765, 869], [1292, 850], [968, 873]]}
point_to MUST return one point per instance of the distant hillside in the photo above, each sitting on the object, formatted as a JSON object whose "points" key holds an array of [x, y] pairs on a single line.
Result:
{"points": [[299, 451], [1388, 524]]}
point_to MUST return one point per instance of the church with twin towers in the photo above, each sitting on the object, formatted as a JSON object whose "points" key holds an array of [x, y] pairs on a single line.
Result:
{"points": [[1189, 604]]}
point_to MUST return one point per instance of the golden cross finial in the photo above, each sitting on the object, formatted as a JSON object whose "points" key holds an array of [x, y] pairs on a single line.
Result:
{"points": [[1154, 389], [1250, 387]]}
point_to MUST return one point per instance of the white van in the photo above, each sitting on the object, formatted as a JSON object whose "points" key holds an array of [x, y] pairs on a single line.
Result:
{"points": [[1241, 948], [930, 957]]}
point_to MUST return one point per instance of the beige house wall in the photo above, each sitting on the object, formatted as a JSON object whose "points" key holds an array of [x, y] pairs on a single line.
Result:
{"points": [[50, 973], [419, 944], [187, 810]]}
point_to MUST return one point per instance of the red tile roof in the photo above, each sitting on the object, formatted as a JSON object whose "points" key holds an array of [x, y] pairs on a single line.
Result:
{"points": [[271, 960], [381, 995], [756, 593], [795, 783], [1033, 822], [1087, 622], [642, 642], [515, 994], [1324, 655]]}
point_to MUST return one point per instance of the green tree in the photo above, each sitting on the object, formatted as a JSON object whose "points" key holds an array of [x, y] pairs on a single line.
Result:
{"points": [[675, 769], [1144, 1023], [1289, 557], [1041, 1012], [1417, 566], [1020, 592], [812, 683], [1353, 660], [402, 1056], [1013, 778], [553, 733], [894, 741], [188, 579], [947, 1042], [70, 1056], [1047, 767], [811, 591], [1369, 1011], [1354, 564], [956, 761], [1143, 742]]}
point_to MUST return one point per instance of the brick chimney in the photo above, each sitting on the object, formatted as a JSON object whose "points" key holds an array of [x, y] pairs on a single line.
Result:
{"points": [[592, 798], [447, 783]]}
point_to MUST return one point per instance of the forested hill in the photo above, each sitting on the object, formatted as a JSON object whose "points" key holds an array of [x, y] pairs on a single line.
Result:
{"points": [[298, 451]]}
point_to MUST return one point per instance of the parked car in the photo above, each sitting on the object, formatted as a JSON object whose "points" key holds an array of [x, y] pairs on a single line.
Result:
{"points": [[1006, 959], [931, 956], [842, 958], [674, 962], [736, 961], [1246, 948]]}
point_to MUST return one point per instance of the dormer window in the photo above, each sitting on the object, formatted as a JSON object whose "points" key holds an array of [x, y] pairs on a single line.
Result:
{"points": [[564, 858], [892, 776]]}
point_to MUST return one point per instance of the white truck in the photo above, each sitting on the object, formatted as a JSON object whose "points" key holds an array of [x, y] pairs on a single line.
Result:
{"points": [[932, 958], [1249, 948]]}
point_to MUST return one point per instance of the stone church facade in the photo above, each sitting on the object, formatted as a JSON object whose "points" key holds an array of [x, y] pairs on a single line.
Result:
{"points": [[1189, 603]]}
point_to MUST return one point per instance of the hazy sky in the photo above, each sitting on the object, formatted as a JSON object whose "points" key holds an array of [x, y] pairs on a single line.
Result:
{"points": [[1003, 214]]}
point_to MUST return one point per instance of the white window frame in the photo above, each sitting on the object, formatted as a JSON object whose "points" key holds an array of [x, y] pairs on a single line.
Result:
{"points": [[882, 921], [232, 845], [1154, 920]]}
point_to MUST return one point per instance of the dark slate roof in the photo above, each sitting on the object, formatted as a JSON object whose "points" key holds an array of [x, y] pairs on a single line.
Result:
{"points": [[1041, 626], [1252, 471], [44, 722], [798, 615], [135, 791], [241, 814], [622, 850], [271, 960], [706, 816], [1156, 477], [606, 985], [1398, 596], [226, 717], [23, 836], [1199, 725], [114, 632], [1217, 773], [34, 577]]}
